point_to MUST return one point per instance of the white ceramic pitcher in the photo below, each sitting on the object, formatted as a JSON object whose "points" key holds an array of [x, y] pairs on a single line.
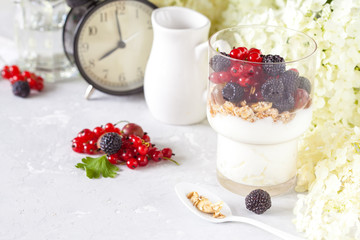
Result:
{"points": [[176, 73]]}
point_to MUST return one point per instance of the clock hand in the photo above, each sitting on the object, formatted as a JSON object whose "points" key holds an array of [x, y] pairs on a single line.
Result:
{"points": [[121, 44], [131, 37], [108, 53], [118, 25]]}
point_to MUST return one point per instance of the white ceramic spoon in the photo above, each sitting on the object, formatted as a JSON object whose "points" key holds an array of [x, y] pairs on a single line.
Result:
{"points": [[182, 189]]}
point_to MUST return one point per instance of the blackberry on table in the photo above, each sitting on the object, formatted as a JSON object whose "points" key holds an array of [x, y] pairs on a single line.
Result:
{"points": [[21, 88], [258, 201], [271, 68], [272, 90], [110, 143], [219, 63], [233, 92], [290, 81], [287, 103], [304, 83]]}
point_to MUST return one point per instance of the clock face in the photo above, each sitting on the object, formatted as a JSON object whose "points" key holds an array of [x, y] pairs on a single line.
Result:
{"points": [[113, 45]]}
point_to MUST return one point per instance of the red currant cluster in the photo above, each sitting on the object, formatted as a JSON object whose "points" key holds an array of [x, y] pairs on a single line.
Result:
{"points": [[242, 53], [13, 74], [136, 148], [245, 74], [86, 140], [136, 151]]}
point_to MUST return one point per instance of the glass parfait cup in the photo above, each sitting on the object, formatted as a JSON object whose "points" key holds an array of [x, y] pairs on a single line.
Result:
{"points": [[259, 109]]}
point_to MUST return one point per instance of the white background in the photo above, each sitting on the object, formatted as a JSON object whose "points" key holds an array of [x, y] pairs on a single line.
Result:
{"points": [[43, 196]]}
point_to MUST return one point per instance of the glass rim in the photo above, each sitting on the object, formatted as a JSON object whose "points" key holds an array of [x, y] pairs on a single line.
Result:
{"points": [[264, 26]]}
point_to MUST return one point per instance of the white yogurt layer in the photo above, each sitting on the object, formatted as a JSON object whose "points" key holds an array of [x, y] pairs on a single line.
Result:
{"points": [[256, 165], [262, 153]]}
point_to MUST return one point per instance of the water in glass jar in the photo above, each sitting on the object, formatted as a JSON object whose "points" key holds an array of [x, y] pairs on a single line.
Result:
{"points": [[38, 37]]}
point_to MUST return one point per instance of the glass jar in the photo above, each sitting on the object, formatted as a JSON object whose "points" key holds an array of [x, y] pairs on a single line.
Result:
{"points": [[38, 36], [258, 107]]}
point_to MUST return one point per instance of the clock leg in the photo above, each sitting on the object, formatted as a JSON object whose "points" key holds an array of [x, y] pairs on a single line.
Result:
{"points": [[89, 91]]}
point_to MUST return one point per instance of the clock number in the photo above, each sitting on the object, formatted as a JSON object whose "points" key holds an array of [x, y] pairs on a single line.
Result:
{"points": [[92, 30], [84, 47], [103, 17], [122, 77], [92, 63], [140, 73], [137, 13], [105, 71], [149, 25], [120, 8]]}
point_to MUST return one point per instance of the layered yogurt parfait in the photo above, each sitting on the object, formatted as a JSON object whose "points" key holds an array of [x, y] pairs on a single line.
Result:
{"points": [[259, 102]]}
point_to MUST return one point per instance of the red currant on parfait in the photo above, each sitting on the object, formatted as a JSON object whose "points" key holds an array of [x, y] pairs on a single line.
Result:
{"points": [[220, 77], [301, 98], [240, 53], [258, 95], [254, 57], [294, 69], [252, 50], [246, 81], [237, 70]]}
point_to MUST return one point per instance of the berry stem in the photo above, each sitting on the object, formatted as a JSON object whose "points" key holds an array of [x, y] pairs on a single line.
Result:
{"points": [[145, 143], [121, 121], [172, 160]]}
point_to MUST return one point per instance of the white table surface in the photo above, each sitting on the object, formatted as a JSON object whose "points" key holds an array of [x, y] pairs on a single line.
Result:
{"points": [[43, 195]]}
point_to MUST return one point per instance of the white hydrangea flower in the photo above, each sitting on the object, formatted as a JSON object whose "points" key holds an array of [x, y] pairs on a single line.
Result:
{"points": [[328, 163]]}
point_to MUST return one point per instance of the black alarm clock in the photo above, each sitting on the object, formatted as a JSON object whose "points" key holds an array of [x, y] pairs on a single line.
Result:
{"points": [[109, 42]]}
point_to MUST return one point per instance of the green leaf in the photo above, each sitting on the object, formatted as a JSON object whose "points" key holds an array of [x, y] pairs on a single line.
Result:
{"points": [[328, 2], [95, 167]]}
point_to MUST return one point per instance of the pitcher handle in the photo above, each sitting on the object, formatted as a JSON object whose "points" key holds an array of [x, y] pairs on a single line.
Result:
{"points": [[201, 50]]}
